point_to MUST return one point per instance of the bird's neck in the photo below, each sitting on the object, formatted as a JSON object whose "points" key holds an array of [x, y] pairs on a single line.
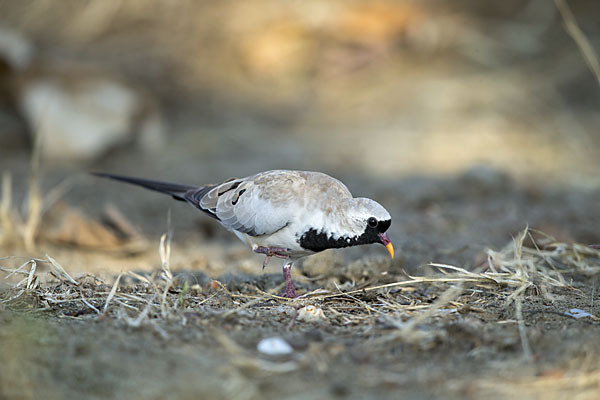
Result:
{"points": [[338, 230], [315, 240]]}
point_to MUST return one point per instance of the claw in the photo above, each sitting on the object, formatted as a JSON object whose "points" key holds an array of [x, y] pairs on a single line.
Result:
{"points": [[271, 252], [267, 259]]}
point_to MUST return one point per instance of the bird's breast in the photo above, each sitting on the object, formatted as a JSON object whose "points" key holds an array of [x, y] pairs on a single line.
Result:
{"points": [[315, 240]]}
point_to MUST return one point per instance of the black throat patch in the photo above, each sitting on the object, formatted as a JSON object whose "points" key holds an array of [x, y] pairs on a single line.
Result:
{"points": [[316, 241]]}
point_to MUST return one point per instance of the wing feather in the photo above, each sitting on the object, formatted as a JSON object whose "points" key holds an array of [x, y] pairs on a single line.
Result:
{"points": [[264, 203], [249, 205]]}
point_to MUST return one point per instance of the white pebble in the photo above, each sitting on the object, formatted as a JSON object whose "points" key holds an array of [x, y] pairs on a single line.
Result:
{"points": [[311, 314], [274, 346]]}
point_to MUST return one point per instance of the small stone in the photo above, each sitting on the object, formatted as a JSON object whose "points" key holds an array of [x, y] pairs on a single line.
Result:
{"points": [[311, 314], [274, 346]]}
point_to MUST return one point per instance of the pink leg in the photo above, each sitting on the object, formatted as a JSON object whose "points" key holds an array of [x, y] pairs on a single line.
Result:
{"points": [[289, 283], [271, 252]]}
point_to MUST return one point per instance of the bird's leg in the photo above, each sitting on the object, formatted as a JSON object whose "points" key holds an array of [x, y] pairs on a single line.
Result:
{"points": [[279, 252], [271, 252], [289, 283]]}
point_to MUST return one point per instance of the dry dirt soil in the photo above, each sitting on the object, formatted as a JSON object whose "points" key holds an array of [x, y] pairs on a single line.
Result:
{"points": [[391, 329]]}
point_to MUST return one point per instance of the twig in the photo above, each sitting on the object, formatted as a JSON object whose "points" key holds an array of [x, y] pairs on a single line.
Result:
{"points": [[6, 205], [137, 321], [444, 299], [58, 191], [579, 37], [139, 277], [34, 202], [241, 307], [60, 270], [402, 283], [16, 271], [522, 332], [90, 305], [164, 250], [31, 275], [112, 293]]}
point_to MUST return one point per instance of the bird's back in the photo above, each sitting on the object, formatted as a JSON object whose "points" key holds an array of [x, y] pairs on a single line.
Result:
{"points": [[314, 189]]}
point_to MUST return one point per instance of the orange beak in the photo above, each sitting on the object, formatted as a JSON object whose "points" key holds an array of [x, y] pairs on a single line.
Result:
{"points": [[387, 243], [390, 249]]}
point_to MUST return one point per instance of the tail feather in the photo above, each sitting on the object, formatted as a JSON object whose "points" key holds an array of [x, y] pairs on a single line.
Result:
{"points": [[174, 189]]}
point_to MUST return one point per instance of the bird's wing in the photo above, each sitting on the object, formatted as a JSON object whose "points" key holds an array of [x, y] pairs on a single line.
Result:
{"points": [[258, 205]]}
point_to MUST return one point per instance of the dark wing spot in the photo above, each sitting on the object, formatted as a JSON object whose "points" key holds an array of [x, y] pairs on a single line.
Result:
{"points": [[229, 188], [237, 198]]}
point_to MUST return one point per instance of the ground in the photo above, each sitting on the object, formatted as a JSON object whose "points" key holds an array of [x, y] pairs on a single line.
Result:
{"points": [[391, 328]]}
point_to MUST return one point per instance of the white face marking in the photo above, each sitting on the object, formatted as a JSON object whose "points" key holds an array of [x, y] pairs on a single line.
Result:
{"points": [[366, 208]]}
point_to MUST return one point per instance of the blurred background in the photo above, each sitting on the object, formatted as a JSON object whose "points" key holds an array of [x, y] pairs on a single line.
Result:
{"points": [[468, 120], [406, 101]]}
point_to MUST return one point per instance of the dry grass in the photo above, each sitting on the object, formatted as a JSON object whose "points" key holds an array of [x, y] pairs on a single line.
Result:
{"points": [[44, 217], [34, 201], [509, 274], [382, 315], [12, 223], [7, 218]]}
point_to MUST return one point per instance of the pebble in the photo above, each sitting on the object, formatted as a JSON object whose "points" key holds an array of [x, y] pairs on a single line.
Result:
{"points": [[311, 314], [274, 346]]}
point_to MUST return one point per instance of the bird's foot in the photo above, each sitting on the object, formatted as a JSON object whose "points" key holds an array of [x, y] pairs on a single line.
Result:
{"points": [[290, 292], [271, 252]]}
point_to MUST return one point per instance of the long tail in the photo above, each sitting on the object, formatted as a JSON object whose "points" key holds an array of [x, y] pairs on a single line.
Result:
{"points": [[174, 189]]}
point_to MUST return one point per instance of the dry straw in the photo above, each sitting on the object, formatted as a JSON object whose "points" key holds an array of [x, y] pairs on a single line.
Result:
{"points": [[541, 268]]}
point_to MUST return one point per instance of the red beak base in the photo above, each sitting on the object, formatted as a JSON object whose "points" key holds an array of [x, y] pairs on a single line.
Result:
{"points": [[385, 240]]}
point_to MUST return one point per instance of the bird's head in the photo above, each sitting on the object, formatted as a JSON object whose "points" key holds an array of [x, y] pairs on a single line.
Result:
{"points": [[371, 221]]}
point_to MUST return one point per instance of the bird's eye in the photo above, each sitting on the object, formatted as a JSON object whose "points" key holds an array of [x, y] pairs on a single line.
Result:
{"points": [[372, 222]]}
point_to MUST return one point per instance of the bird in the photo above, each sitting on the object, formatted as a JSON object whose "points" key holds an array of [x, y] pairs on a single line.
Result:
{"points": [[285, 214]]}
